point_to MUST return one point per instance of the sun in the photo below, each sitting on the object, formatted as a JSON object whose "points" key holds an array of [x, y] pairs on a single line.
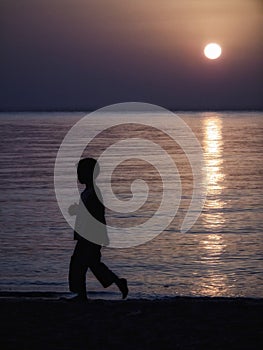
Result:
{"points": [[212, 51]]}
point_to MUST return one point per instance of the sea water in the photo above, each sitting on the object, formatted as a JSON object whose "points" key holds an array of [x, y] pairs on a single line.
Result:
{"points": [[221, 255]]}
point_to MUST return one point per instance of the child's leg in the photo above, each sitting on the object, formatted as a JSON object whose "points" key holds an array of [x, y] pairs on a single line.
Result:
{"points": [[105, 276], [77, 272]]}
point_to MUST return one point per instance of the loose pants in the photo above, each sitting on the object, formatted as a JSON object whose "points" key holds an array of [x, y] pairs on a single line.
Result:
{"points": [[87, 255]]}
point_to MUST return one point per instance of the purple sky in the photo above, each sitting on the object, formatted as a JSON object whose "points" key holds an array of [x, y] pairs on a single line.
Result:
{"points": [[85, 54]]}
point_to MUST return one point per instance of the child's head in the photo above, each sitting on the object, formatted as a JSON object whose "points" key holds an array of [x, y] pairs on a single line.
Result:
{"points": [[88, 169]]}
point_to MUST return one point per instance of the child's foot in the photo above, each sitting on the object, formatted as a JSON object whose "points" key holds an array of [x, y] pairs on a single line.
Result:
{"points": [[78, 299], [123, 287]]}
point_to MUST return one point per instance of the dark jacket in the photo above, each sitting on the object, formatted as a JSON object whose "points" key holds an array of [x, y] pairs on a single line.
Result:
{"points": [[90, 221]]}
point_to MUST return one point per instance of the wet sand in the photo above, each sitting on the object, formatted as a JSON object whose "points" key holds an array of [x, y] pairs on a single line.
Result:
{"points": [[178, 323]]}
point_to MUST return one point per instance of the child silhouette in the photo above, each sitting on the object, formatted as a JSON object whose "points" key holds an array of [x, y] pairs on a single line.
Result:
{"points": [[90, 234]]}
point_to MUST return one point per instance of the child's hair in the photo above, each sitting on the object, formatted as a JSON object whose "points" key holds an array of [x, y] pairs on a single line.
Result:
{"points": [[88, 169]]}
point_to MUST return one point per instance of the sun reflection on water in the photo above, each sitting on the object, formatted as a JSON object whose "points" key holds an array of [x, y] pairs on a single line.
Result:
{"points": [[213, 152], [213, 281]]}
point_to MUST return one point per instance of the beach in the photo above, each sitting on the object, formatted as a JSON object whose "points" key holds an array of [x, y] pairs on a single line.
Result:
{"points": [[174, 323], [131, 172], [200, 290]]}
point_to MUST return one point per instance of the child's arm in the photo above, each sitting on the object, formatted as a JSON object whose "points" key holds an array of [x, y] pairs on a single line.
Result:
{"points": [[73, 208]]}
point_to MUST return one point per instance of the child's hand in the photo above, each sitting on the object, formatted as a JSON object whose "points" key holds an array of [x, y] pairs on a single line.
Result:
{"points": [[72, 210]]}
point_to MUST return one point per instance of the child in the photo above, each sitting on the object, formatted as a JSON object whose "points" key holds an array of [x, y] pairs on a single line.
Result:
{"points": [[90, 233]]}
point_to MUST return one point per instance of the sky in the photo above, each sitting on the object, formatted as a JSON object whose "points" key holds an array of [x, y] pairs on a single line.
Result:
{"points": [[85, 54]]}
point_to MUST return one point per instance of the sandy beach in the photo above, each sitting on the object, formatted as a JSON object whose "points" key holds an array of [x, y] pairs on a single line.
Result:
{"points": [[178, 323]]}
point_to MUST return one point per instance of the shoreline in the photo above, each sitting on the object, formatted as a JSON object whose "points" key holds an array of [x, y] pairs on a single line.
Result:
{"points": [[172, 323], [106, 296], [101, 295]]}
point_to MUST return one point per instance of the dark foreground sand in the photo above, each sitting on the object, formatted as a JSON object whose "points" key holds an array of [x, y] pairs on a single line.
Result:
{"points": [[179, 323]]}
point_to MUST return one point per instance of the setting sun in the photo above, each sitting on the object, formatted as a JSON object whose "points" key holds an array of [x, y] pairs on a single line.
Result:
{"points": [[212, 51]]}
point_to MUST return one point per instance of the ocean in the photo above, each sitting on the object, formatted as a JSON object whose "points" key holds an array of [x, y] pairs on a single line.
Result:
{"points": [[219, 256]]}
